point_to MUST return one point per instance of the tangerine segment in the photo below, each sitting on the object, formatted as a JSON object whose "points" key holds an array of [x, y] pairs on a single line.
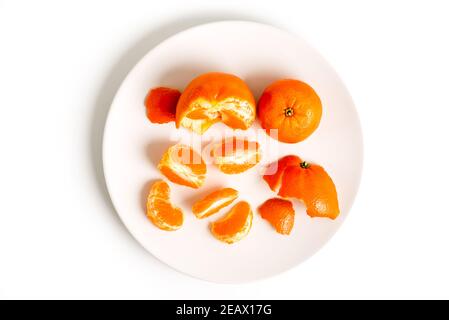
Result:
{"points": [[214, 202], [159, 209], [275, 171], [236, 155], [235, 225], [279, 213], [161, 104], [182, 165], [292, 108], [214, 97], [311, 184]]}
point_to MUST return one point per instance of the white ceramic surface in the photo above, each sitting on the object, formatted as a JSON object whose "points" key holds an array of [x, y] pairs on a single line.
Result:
{"points": [[132, 147]]}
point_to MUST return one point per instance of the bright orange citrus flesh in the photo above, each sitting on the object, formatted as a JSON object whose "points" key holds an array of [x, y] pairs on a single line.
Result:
{"points": [[275, 171], [182, 165], [235, 225], [214, 202], [236, 155], [279, 213], [159, 209], [311, 184], [292, 108], [214, 97], [161, 104]]}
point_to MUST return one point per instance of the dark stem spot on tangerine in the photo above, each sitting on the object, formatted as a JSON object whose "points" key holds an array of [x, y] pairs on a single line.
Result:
{"points": [[288, 112], [305, 165]]}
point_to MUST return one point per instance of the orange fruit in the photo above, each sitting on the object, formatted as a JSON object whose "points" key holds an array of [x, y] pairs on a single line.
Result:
{"points": [[311, 184], [292, 108], [214, 97], [235, 155], [182, 165], [161, 104], [279, 213], [235, 225], [214, 202], [159, 209], [275, 171]]}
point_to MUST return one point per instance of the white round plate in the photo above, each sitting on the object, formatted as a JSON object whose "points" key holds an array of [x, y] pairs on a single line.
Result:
{"points": [[132, 147]]}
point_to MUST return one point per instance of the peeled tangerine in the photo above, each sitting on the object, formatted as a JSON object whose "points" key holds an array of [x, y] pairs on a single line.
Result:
{"points": [[214, 202], [235, 225], [279, 213], [182, 165], [159, 209], [236, 155], [307, 182], [216, 97]]}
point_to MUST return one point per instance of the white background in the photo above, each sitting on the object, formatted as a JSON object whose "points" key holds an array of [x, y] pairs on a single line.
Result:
{"points": [[61, 63]]}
